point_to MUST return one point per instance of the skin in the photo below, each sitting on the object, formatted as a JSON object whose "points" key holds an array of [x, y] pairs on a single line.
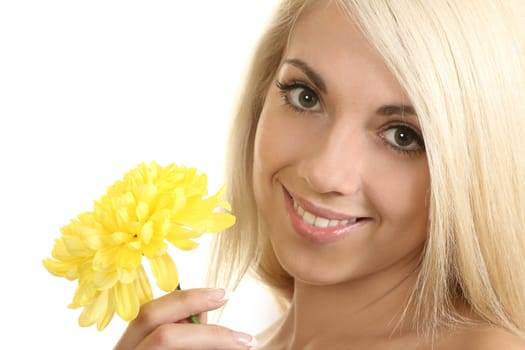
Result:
{"points": [[341, 159], [164, 324], [331, 138], [335, 142]]}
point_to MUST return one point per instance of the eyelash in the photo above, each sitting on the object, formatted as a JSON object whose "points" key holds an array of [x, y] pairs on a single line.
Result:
{"points": [[284, 91], [286, 88], [417, 138]]}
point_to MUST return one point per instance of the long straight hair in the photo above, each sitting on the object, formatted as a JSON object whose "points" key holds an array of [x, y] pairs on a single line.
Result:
{"points": [[461, 62]]}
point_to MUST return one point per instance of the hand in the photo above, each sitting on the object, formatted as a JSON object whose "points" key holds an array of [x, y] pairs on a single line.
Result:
{"points": [[164, 323]]}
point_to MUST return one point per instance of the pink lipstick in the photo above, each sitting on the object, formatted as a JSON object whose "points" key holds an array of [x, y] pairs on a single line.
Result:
{"points": [[318, 224]]}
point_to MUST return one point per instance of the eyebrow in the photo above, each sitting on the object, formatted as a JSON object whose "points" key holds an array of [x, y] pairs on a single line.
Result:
{"points": [[310, 72], [400, 109], [386, 110]]}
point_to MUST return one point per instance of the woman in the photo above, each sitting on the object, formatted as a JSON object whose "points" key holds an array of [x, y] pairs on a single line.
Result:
{"points": [[375, 173]]}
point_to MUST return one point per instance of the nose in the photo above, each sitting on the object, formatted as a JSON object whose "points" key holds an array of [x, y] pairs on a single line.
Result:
{"points": [[334, 163]]}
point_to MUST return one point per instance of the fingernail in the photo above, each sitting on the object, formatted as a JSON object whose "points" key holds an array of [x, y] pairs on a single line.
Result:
{"points": [[219, 295], [245, 339]]}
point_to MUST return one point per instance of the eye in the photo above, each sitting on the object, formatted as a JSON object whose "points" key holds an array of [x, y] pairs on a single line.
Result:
{"points": [[303, 97], [403, 138], [299, 96]]}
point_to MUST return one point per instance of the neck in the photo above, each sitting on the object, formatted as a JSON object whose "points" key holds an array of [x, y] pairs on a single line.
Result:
{"points": [[371, 307]]}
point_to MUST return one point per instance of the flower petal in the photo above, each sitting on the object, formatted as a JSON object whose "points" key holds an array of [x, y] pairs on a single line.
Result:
{"points": [[75, 246], [95, 311], [165, 272], [143, 286], [147, 232], [219, 221], [154, 249], [181, 241], [126, 301], [110, 312], [142, 211], [138, 216], [105, 279], [61, 269]]}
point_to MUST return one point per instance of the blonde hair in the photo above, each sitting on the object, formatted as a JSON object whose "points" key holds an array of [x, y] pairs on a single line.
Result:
{"points": [[461, 63]]}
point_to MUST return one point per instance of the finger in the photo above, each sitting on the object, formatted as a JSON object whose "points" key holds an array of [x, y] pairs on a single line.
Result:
{"points": [[200, 318], [203, 317], [170, 308], [193, 336]]}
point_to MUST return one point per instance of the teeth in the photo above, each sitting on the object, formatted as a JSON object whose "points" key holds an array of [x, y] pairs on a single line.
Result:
{"points": [[318, 221], [321, 222], [309, 218]]}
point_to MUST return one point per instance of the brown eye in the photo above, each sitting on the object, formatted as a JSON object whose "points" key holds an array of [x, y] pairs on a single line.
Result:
{"points": [[304, 98], [403, 138]]}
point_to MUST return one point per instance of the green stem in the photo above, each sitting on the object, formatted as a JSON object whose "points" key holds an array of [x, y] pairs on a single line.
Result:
{"points": [[193, 318]]}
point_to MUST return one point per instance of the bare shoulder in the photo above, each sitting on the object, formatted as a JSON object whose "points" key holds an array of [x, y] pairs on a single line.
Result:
{"points": [[483, 338], [493, 338]]}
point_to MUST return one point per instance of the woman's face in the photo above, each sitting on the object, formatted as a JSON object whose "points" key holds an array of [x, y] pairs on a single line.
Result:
{"points": [[340, 171]]}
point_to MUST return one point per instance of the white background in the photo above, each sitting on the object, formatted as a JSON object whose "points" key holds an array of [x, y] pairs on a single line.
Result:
{"points": [[89, 89]]}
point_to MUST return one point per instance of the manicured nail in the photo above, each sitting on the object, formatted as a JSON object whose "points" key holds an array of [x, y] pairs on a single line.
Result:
{"points": [[245, 339], [219, 295]]}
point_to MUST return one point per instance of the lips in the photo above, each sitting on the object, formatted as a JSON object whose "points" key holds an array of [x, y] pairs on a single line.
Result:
{"points": [[319, 221], [319, 225]]}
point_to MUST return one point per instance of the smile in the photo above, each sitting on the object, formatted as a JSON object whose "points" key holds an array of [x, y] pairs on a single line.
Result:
{"points": [[318, 221], [325, 226]]}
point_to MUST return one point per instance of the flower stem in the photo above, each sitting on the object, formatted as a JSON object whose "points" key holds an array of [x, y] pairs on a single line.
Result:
{"points": [[193, 318]]}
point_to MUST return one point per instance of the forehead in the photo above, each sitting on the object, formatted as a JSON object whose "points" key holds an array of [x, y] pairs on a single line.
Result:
{"points": [[328, 25], [328, 39]]}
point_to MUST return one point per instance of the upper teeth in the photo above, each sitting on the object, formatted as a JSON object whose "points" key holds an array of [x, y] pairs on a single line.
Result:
{"points": [[318, 221]]}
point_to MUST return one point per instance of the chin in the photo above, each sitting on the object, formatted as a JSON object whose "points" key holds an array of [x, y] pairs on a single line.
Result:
{"points": [[316, 269]]}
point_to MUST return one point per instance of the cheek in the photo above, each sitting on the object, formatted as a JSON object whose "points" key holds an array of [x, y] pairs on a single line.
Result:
{"points": [[402, 195], [276, 140], [268, 139], [400, 198]]}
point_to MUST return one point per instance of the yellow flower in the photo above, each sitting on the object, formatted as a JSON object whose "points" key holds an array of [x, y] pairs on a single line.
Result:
{"points": [[138, 217]]}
